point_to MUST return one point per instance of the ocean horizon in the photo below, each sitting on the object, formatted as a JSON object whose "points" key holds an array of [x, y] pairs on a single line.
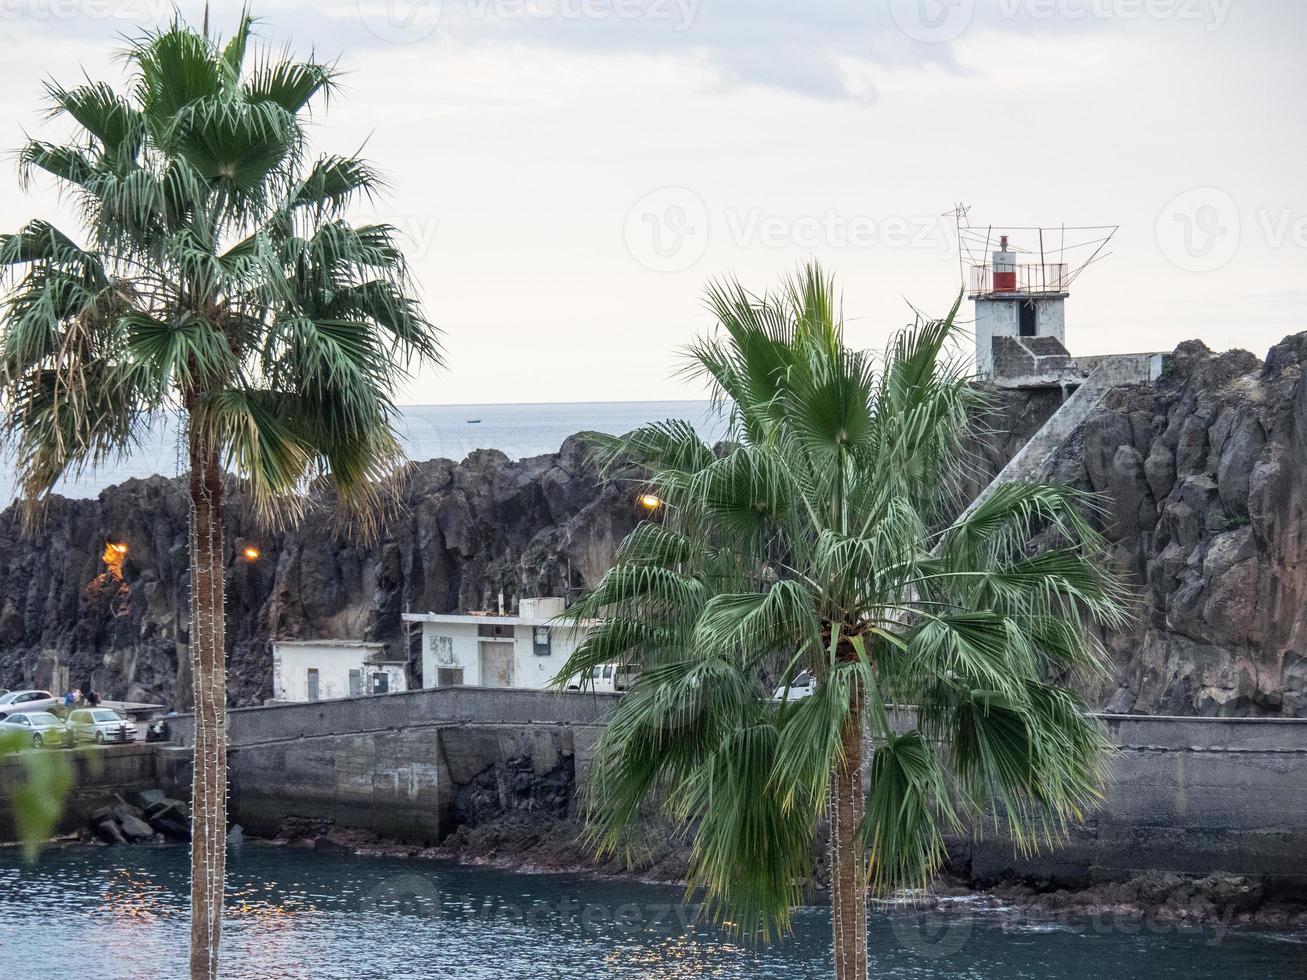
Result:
{"points": [[519, 430]]}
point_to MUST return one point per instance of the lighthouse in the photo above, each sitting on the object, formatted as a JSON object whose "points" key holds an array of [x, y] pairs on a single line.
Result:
{"points": [[1020, 317]]}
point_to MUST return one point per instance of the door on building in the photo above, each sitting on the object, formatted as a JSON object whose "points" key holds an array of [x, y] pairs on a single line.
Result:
{"points": [[313, 683], [496, 664], [355, 683], [1028, 322]]}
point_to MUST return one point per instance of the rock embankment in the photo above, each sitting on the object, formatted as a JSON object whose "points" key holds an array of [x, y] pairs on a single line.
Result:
{"points": [[151, 817], [1203, 476], [464, 534]]}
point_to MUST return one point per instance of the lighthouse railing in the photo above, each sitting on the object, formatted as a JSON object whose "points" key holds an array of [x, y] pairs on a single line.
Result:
{"points": [[1034, 279]]}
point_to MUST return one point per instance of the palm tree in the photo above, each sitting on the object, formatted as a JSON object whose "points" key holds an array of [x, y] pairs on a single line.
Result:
{"points": [[217, 279], [821, 541]]}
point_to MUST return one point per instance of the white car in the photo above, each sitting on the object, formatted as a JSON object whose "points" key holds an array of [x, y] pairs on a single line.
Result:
{"points": [[100, 725], [12, 702], [803, 686], [606, 679], [38, 727]]}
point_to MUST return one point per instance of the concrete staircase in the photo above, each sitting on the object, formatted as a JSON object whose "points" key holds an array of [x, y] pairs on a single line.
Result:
{"points": [[1033, 460]]}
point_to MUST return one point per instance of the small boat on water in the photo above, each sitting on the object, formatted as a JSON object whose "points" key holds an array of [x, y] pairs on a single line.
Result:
{"points": [[473, 421]]}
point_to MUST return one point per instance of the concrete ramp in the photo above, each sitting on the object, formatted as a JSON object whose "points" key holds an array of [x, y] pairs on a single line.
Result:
{"points": [[1033, 461]]}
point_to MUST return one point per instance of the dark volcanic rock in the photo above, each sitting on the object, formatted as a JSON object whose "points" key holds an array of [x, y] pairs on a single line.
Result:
{"points": [[514, 788], [1205, 477], [465, 533]]}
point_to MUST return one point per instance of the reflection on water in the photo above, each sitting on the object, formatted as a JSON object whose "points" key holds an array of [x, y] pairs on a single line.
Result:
{"points": [[120, 914]]}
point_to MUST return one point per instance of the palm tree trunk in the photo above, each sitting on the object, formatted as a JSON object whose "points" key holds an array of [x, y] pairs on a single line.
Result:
{"points": [[209, 683], [848, 871]]}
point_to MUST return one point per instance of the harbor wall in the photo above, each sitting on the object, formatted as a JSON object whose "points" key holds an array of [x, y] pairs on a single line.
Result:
{"points": [[1193, 795], [1189, 795], [411, 765], [100, 775]]}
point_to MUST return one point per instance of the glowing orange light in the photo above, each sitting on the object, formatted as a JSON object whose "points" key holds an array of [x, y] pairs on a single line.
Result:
{"points": [[251, 553], [114, 553], [649, 501]]}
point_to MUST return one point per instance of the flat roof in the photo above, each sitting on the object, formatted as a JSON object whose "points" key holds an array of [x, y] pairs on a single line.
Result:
{"points": [[475, 620], [470, 620], [367, 644]]}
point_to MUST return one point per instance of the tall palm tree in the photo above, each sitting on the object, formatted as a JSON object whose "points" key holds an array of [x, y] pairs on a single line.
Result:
{"points": [[821, 541], [218, 279]]}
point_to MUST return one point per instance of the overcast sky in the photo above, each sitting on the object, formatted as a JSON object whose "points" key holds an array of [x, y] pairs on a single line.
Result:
{"points": [[570, 173]]}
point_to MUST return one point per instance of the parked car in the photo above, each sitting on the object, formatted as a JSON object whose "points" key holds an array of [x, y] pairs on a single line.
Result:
{"points": [[803, 686], [606, 678], [41, 727], [100, 725], [13, 702]]}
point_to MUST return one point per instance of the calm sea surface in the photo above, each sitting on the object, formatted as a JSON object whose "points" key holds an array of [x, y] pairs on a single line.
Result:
{"points": [[120, 914], [428, 432]]}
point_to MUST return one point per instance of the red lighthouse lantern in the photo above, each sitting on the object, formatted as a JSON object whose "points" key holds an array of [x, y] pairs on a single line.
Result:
{"points": [[1005, 269]]}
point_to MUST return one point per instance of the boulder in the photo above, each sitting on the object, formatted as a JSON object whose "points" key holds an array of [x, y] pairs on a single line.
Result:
{"points": [[171, 819]]}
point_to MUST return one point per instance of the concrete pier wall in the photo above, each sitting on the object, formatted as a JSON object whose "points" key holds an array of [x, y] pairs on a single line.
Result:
{"points": [[1192, 795], [1185, 794], [100, 775]]}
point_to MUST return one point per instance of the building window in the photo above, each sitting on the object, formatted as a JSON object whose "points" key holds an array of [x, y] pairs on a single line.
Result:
{"points": [[449, 677], [313, 684], [494, 631], [380, 683], [1028, 322], [541, 644], [442, 648]]}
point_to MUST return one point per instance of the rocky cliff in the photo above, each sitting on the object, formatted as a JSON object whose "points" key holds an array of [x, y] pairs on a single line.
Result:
{"points": [[467, 532], [1204, 474]]}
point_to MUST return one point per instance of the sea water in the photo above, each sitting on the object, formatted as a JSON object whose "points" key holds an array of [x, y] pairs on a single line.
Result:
{"points": [[121, 914]]}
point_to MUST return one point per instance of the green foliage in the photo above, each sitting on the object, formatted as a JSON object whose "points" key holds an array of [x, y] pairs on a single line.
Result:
{"points": [[216, 275], [39, 798], [824, 540]]}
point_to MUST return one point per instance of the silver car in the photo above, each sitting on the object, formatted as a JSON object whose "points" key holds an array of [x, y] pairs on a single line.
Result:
{"points": [[40, 728], [13, 702], [100, 725]]}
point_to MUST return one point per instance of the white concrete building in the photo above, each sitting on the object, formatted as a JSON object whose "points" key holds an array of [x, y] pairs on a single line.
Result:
{"points": [[527, 650], [319, 670], [1022, 301]]}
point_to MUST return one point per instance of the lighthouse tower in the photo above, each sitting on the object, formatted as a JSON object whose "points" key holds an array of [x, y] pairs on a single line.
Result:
{"points": [[1020, 318]]}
